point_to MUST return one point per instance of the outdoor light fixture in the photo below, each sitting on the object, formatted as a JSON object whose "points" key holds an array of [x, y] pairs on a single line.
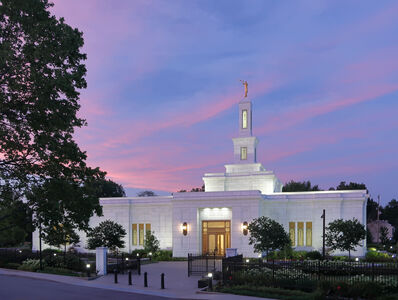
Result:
{"points": [[356, 259], [245, 228], [55, 254], [247, 260], [184, 228], [20, 251], [138, 255], [210, 275], [150, 253], [127, 258], [259, 256], [88, 269]]}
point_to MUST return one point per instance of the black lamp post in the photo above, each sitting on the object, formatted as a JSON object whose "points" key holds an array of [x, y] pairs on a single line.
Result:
{"points": [[323, 234]]}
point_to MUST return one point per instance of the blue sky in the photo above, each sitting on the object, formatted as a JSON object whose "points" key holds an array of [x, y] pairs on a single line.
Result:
{"points": [[163, 87]]}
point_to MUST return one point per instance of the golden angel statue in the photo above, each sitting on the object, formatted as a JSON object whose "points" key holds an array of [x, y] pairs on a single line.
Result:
{"points": [[246, 87]]}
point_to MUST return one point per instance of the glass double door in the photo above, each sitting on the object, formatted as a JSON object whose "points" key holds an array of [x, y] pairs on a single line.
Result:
{"points": [[216, 237]]}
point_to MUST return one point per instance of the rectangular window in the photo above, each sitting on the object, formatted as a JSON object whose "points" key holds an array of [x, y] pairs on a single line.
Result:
{"points": [[243, 153], [135, 235], [308, 238], [147, 227], [141, 227], [292, 233], [300, 234], [244, 118]]}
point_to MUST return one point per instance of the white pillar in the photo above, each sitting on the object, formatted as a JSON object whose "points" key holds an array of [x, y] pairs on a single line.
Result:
{"points": [[101, 259]]}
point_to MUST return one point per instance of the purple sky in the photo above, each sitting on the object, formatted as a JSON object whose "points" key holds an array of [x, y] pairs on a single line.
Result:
{"points": [[163, 87]]}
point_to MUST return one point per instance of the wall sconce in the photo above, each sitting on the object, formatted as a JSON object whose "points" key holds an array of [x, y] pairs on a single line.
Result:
{"points": [[184, 228], [245, 228]]}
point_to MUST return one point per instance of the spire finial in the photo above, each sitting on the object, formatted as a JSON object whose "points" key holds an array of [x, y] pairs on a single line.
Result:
{"points": [[244, 82]]}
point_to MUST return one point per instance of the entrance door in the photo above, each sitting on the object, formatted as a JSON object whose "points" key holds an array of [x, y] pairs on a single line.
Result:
{"points": [[216, 237]]}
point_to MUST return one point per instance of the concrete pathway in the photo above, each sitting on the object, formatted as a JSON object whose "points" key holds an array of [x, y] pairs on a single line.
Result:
{"points": [[177, 283]]}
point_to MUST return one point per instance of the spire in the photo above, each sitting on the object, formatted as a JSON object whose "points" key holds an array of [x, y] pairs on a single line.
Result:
{"points": [[245, 144]]}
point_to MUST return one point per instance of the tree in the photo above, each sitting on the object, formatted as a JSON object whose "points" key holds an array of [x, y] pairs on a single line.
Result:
{"points": [[201, 189], [390, 213], [344, 235], [267, 235], [372, 209], [151, 243], [107, 234], [369, 236], [384, 235], [41, 73], [294, 186], [351, 186], [61, 235], [146, 194], [15, 218], [109, 188]]}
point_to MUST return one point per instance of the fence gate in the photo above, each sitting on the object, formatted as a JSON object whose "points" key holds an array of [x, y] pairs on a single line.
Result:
{"points": [[203, 264], [121, 263]]}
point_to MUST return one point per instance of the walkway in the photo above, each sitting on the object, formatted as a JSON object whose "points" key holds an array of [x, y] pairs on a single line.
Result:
{"points": [[178, 284]]}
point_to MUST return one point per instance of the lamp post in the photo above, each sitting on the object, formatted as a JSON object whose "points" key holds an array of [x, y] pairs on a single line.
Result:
{"points": [[323, 234]]}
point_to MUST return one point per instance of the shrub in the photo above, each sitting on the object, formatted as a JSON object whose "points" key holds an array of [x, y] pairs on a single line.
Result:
{"points": [[12, 265], [163, 255], [374, 256], [313, 255], [58, 271], [142, 253], [30, 265]]}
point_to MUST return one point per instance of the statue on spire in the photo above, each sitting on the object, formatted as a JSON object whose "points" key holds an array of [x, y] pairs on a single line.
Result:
{"points": [[244, 82]]}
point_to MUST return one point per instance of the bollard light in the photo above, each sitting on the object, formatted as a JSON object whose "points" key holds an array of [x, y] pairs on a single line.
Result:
{"points": [[210, 275], [20, 251], [127, 258], [55, 254], [247, 260], [88, 269], [138, 255], [356, 259]]}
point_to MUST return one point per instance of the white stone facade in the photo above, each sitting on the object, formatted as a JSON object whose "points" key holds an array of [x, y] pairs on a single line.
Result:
{"points": [[244, 192]]}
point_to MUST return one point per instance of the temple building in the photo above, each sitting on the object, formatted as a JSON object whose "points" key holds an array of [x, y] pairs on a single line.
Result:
{"points": [[216, 219]]}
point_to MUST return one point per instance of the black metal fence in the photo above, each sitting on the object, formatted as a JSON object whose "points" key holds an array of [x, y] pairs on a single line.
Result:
{"points": [[258, 271], [202, 264], [122, 263]]}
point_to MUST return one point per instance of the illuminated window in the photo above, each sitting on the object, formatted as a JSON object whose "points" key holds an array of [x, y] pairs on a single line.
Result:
{"points": [[243, 153], [141, 227], [135, 234], [308, 238], [292, 233], [147, 228], [244, 118], [300, 234]]}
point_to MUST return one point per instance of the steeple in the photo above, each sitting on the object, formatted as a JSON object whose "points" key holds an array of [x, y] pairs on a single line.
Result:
{"points": [[245, 144]]}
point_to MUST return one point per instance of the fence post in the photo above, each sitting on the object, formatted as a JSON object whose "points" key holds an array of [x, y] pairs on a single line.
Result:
{"points": [[130, 281], [162, 281], [214, 262], [145, 279], [319, 270], [273, 271], [139, 266], [115, 270], [189, 265], [207, 264]]}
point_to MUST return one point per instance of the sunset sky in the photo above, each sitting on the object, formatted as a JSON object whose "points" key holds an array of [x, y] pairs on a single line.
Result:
{"points": [[163, 87]]}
